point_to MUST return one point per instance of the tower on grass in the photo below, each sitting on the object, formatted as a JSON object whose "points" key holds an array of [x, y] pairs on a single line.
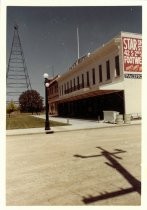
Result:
{"points": [[17, 77]]}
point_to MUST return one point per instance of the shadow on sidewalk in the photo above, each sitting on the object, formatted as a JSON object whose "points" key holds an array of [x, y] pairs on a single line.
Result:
{"points": [[135, 184]]}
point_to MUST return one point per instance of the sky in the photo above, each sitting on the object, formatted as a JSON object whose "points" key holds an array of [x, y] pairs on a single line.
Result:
{"points": [[49, 34]]}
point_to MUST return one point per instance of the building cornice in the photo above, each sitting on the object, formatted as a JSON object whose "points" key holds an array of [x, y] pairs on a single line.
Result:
{"points": [[90, 58]]}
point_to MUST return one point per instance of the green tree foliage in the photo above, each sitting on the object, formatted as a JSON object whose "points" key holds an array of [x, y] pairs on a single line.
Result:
{"points": [[11, 107], [30, 101]]}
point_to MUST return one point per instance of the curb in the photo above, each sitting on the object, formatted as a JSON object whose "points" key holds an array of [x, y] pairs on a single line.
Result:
{"points": [[72, 129]]}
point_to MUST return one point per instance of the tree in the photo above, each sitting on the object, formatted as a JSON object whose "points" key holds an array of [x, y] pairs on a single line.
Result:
{"points": [[30, 101], [11, 107]]}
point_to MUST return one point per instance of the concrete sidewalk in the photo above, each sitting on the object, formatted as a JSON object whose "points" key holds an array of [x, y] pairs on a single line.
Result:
{"points": [[74, 124]]}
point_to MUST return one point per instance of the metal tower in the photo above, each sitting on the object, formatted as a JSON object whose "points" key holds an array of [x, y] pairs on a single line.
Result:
{"points": [[17, 77]]}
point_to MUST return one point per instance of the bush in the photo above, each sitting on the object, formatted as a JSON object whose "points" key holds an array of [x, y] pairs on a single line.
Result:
{"points": [[30, 101], [11, 107]]}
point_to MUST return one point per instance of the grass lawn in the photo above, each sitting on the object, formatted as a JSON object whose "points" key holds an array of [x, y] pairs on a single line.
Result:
{"points": [[21, 121]]}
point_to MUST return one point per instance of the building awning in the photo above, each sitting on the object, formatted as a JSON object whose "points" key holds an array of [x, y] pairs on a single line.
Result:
{"points": [[87, 95]]}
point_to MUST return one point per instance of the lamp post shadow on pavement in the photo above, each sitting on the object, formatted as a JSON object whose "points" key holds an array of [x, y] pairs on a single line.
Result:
{"points": [[132, 180], [47, 122]]}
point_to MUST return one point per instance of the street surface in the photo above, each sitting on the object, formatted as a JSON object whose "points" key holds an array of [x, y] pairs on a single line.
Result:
{"points": [[85, 167]]}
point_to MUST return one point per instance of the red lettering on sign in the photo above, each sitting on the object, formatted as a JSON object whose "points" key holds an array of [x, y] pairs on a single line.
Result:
{"points": [[132, 54]]}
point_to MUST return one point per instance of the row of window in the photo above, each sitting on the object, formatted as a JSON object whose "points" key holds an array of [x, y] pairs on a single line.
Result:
{"points": [[75, 84], [53, 89]]}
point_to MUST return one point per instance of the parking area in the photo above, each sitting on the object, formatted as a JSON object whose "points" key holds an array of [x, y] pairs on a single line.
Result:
{"points": [[83, 167]]}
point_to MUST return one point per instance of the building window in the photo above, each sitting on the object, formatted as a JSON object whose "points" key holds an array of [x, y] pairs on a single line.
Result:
{"points": [[100, 73], [70, 85], [74, 84], [56, 88], [108, 69], [59, 91], [117, 67], [87, 78], [67, 91], [82, 80], [78, 83], [93, 76], [62, 89]]}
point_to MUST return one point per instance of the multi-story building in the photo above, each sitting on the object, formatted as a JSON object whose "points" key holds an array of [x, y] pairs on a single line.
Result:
{"points": [[106, 79], [53, 95]]}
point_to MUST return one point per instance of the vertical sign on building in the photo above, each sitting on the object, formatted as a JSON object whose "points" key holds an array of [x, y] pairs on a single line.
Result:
{"points": [[132, 57]]}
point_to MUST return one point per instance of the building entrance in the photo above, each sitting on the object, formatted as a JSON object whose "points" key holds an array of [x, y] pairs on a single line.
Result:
{"points": [[93, 107]]}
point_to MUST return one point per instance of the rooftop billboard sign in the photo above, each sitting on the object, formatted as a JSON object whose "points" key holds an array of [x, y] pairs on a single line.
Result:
{"points": [[132, 57]]}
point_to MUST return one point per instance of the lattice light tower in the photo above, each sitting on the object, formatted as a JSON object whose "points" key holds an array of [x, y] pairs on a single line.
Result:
{"points": [[17, 77]]}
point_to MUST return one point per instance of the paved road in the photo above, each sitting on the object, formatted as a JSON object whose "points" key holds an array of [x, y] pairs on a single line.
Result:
{"points": [[75, 168]]}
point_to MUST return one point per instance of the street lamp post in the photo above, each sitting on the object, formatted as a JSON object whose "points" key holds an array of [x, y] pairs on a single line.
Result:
{"points": [[46, 84]]}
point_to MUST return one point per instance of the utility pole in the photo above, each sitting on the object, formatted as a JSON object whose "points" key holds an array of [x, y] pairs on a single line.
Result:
{"points": [[78, 42]]}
